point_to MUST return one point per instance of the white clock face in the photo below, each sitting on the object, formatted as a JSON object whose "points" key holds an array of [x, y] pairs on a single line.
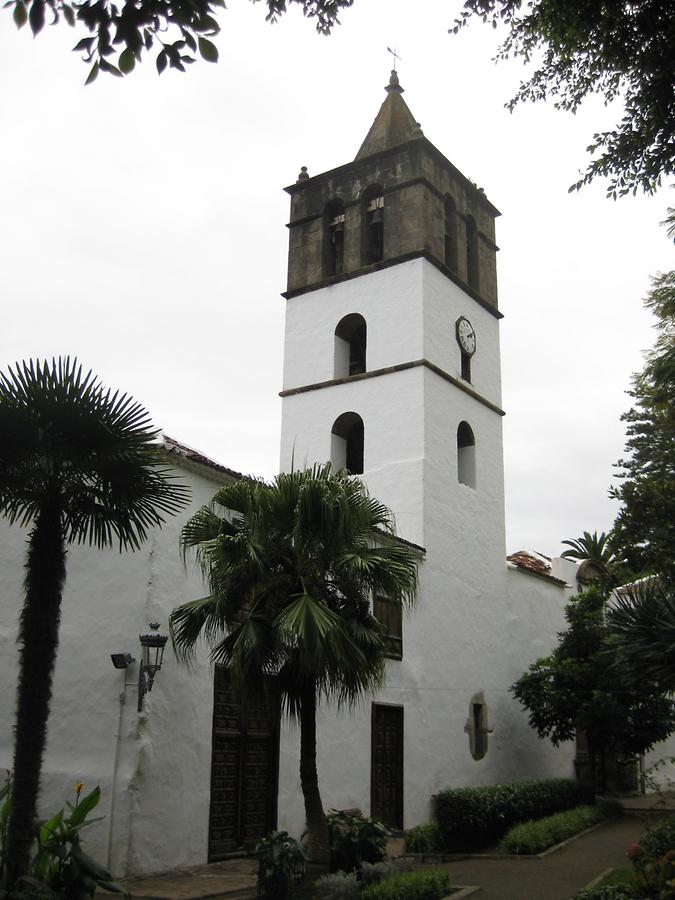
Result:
{"points": [[466, 336]]}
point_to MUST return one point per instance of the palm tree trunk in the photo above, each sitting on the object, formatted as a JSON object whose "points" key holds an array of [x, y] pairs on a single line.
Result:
{"points": [[38, 641], [318, 849]]}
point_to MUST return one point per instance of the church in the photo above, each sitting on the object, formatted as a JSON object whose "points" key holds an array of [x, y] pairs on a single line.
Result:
{"points": [[392, 371]]}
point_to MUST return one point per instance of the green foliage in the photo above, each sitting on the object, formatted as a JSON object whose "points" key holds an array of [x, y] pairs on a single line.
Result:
{"points": [[598, 550], [355, 840], [472, 818], [123, 34], [423, 838], [642, 622], [337, 886], [534, 837], [292, 567], [609, 807], [644, 530], [580, 686], [64, 432], [431, 884], [608, 892], [373, 873], [654, 874], [615, 49], [281, 865], [660, 838]]}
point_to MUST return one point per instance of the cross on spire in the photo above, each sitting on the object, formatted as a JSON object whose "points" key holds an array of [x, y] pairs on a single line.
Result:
{"points": [[395, 55]]}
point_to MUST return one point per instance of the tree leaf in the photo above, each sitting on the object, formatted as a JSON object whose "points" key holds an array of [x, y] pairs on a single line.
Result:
{"points": [[127, 61], [68, 14], [161, 62], [208, 50], [93, 72], [36, 16], [20, 14]]}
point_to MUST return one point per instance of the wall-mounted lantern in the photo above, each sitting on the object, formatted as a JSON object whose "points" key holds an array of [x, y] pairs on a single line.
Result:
{"points": [[152, 650]]}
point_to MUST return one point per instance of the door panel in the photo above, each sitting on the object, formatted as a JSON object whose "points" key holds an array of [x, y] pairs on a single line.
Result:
{"points": [[244, 767], [386, 777]]}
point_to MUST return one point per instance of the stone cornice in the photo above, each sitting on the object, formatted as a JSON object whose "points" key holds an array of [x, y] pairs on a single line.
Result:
{"points": [[388, 370]]}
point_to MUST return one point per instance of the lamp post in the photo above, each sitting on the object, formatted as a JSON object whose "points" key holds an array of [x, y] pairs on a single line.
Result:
{"points": [[152, 652]]}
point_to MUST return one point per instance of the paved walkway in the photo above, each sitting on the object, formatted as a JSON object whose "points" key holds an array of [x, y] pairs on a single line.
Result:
{"points": [[555, 877]]}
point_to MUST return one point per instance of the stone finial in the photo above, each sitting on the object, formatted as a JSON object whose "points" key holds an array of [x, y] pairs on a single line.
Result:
{"points": [[394, 86], [303, 176], [417, 130]]}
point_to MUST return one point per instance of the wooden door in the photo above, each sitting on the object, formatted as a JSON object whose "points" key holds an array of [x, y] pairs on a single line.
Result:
{"points": [[386, 765], [244, 769]]}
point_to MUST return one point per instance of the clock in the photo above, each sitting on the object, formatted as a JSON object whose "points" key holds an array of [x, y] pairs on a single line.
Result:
{"points": [[466, 336]]}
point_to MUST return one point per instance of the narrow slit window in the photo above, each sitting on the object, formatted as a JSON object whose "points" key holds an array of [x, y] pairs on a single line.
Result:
{"points": [[472, 252], [450, 233], [334, 238], [372, 214]]}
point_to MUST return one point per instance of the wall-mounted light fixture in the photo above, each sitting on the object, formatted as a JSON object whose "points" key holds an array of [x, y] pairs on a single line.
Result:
{"points": [[152, 649], [122, 660]]}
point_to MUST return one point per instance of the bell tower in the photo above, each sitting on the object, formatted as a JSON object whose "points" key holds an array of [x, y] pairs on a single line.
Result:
{"points": [[392, 347]]}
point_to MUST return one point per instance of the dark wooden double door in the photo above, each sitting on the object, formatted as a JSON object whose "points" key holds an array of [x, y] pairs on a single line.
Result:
{"points": [[244, 769], [386, 776]]}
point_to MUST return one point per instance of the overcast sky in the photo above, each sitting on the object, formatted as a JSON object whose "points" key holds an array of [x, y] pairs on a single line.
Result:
{"points": [[142, 229]]}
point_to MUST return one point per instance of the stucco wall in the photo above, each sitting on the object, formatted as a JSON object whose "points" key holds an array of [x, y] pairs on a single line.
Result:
{"points": [[153, 767]]}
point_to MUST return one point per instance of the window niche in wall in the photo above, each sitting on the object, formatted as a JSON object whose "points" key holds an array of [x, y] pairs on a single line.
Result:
{"points": [[450, 211], [347, 439], [350, 346], [372, 219], [472, 253], [333, 238], [391, 616], [466, 455], [477, 726]]}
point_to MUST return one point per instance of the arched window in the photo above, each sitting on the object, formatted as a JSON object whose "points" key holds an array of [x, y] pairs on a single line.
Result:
{"points": [[466, 455], [450, 232], [471, 252], [350, 346], [372, 224], [333, 238], [347, 443]]}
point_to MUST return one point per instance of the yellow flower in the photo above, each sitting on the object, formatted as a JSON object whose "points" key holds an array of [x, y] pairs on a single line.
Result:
{"points": [[78, 787]]}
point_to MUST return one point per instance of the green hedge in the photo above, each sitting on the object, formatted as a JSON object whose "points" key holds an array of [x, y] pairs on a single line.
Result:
{"points": [[473, 818], [534, 837], [431, 884], [422, 838]]}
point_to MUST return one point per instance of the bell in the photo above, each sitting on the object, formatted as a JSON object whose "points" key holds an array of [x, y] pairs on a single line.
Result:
{"points": [[338, 228], [378, 217]]}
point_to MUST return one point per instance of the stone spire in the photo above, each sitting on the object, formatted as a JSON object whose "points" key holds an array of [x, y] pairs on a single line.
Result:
{"points": [[394, 123]]}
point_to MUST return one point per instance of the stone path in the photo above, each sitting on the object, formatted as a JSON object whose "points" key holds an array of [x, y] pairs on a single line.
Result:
{"points": [[555, 877]]}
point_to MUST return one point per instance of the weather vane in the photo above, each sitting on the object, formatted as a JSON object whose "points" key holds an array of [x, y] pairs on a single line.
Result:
{"points": [[395, 55]]}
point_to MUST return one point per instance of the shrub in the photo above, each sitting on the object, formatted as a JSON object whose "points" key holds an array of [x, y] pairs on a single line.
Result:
{"points": [[338, 886], [471, 818], [355, 840], [533, 837], [281, 865], [373, 873], [659, 839], [423, 838], [608, 892], [431, 884]]}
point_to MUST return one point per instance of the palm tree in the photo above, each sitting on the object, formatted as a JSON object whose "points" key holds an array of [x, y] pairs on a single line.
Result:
{"points": [[78, 465], [595, 549], [291, 567], [642, 623]]}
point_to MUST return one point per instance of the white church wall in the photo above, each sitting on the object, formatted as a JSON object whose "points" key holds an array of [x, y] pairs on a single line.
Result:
{"points": [[160, 765], [444, 303], [389, 301]]}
